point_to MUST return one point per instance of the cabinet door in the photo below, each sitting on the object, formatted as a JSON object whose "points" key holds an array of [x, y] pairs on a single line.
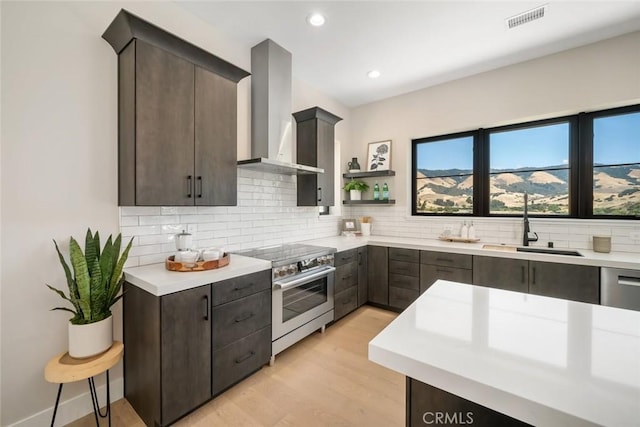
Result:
{"points": [[430, 273], [326, 144], [363, 296], [501, 273], [378, 274], [572, 282], [215, 139], [164, 171], [186, 351]]}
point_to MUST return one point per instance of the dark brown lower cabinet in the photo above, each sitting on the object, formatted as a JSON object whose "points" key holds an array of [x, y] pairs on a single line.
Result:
{"points": [[502, 273], [447, 266], [567, 281], [240, 359], [378, 274], [186, 347], [167, 362], [363, 292], [430, 405]]}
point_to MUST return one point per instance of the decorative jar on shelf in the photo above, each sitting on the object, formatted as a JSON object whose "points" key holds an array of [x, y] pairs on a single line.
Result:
{"points": [[353, 165]]}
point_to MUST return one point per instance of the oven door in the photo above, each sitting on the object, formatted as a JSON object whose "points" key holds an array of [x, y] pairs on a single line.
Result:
{"points": [[301, 298]]}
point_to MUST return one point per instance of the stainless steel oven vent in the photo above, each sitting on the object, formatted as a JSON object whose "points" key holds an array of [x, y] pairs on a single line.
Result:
{"points": [[526, 17]]}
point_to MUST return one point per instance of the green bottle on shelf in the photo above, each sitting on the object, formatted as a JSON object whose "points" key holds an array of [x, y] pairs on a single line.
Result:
{"points": [[385, 191], [376, 192]]}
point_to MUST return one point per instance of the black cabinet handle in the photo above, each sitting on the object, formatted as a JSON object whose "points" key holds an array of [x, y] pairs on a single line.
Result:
{"points": [[522, 268], [359, 258], [245, 357], [442, 270], [243, 318], [444, 259], [320, 194], [206, 307], [189, 184], [241, 288], [200, 185]]}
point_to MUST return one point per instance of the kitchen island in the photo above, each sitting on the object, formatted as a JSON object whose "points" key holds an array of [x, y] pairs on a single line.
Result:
{"points": [[540, 360]]}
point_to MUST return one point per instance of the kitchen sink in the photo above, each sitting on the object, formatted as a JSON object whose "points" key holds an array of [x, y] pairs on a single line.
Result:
{"points": [[550, 251]]}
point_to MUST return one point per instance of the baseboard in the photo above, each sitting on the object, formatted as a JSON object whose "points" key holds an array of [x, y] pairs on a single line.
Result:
{"points": [[74, 408]]}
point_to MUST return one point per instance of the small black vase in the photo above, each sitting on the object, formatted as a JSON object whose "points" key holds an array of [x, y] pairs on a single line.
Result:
{"points": [[353, 164]]}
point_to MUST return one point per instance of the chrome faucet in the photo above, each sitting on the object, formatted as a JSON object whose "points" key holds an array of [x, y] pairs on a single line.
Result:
{"points": [[525, 237]]}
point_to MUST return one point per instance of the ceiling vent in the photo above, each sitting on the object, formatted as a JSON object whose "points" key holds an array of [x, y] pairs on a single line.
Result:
{"points": [[525, 17]]}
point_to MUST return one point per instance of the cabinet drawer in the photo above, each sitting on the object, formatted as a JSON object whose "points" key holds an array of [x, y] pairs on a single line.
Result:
{"points": [[237, 319], [446, 259], [239, 287], [410, 255], [346, 276], [406, 268], [345, 257], [402, 281], [430, 273], [345, 302], [402, 298], [239, 359]]}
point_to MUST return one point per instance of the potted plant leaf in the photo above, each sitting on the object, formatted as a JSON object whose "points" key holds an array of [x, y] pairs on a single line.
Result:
{"points": [[355, 188], [94, 287]]}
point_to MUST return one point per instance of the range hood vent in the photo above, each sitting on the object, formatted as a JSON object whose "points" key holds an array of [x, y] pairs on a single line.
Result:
{"points": [[271, 118], [526, 17]]}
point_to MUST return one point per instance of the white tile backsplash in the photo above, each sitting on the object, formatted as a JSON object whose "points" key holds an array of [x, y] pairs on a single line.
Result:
{"points": [[266, 214]]}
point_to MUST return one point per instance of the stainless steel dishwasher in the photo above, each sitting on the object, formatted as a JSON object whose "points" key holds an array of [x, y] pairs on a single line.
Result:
{"points": [[620, 288]]}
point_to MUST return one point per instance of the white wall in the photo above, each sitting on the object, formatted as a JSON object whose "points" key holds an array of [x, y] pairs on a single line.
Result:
{"points": [[59, 170], [593, 77]]}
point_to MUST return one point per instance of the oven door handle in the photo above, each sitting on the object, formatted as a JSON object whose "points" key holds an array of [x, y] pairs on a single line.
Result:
{"points": [[293, 283]]}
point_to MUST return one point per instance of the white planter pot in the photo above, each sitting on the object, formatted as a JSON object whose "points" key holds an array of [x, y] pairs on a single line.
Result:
{"points": [[91, 339], [355, 194]]}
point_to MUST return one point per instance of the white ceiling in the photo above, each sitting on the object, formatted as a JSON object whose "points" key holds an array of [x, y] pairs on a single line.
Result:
{"points": [[414, 44]]}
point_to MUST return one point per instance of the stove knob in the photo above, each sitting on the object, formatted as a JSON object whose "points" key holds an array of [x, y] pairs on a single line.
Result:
{"points": [[291, 269]]}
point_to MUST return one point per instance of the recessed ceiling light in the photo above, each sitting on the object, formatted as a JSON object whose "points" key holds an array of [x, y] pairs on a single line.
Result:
{"points": [[316, 19], [373, 74]]}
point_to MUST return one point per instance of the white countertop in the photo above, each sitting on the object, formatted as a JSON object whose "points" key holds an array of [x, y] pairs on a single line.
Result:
{"points": [[613, 259], [157, 280], [542, 360]]}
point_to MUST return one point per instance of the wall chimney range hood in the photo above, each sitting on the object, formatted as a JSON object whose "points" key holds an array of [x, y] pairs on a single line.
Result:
{"points": [[271, 118]]}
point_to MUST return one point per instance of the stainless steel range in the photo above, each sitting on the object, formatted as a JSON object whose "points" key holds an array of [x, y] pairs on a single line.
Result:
{"points": [[302, 283]]}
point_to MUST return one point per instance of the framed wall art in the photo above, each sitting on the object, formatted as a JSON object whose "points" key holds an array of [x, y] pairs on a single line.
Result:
{"points": [[379, 156]]}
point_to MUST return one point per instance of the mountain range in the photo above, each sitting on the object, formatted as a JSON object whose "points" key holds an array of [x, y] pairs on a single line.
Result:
{"points": [[616, 190]]}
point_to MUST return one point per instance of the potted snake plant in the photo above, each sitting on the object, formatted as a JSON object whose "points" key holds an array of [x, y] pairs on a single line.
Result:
{"points": [[94, 287]]}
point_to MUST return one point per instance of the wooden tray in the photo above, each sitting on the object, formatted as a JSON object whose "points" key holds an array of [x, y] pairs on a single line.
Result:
{"points": [[172, 265], [457, 239]]}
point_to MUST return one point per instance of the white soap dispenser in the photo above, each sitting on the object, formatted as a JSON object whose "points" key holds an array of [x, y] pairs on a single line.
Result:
{"points": [[464, 233], [471, 231]]}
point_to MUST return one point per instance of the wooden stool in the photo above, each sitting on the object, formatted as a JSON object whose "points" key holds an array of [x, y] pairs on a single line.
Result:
{"points": [[65, 369]]}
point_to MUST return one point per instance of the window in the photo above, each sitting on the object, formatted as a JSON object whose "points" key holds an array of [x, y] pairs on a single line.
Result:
{"points": [[531, 159], [581, 166], [443, 175], [616, 165]]}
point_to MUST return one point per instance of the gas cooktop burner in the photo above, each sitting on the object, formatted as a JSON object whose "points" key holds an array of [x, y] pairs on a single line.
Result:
{"points": [[287, 253]]}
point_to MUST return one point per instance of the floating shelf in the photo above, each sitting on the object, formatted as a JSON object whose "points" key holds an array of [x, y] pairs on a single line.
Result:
{"points": [[369, 202], [369, 174]]}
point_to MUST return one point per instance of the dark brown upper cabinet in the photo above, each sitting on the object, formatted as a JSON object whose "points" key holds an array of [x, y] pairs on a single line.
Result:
{"points": [[177, 119], [315, 147]]}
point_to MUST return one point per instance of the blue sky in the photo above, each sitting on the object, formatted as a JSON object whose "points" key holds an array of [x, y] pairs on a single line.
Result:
{"points": [[616, 140]]}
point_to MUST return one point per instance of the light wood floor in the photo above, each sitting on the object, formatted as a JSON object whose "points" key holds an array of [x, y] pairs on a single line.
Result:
{"points": [[324, 380]]}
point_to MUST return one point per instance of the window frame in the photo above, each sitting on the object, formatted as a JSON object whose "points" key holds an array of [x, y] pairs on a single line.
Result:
{"points": [[573, 165], [580, 166], [586, 159], [414, 170]]}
